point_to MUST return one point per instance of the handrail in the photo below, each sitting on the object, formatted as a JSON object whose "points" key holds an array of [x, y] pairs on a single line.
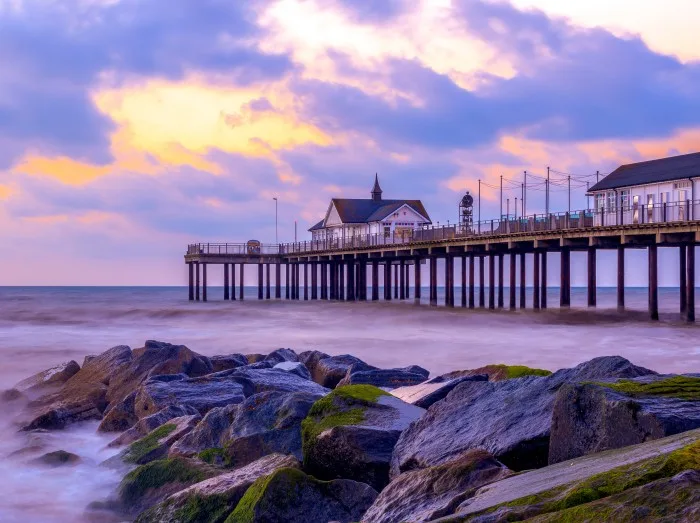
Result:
{"points": [[631, 214]]}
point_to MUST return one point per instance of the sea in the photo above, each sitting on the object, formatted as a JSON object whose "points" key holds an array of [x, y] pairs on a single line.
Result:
{"points": [[43, 326]]}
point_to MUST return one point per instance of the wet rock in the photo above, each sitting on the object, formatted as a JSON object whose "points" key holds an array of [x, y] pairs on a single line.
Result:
{"points": [[254, 358], [310, 359], [203, 393], [155, 444], [53, 377], [511, 419], [422, 495], [499, 372], [120, 416], [386, 378], [431, 391], [329, 371], [281, 355], [591, 418], [230, 361], [291, 496], [351, 433], [255, 381], [212, 500], [149, 423], [297, 368], [207, 434], [58, 458]]}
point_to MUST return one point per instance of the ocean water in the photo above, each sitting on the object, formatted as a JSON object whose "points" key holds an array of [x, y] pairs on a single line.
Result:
{"points": [[41, 327]]}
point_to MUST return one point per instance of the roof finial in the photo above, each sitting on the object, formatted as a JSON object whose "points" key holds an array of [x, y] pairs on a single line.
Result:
{"points": [[376, 190]]}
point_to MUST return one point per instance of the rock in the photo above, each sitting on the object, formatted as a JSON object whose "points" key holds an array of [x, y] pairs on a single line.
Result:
{"points": [[255, 381], [149, 484], [351, 434], [386, 378], [425, 494], [149, 423], [591, 418], [203, 393], [254, 358], [281, 355], [425, 394], [120, 416], [329, 371], [83, 396], [598, 487], [499, 372], [266, 423], [310, 359], [230, 361], [155, 444], [511, 419], [53, 377], [291, 496], [57, 458], [297, 368], [212, 500]]}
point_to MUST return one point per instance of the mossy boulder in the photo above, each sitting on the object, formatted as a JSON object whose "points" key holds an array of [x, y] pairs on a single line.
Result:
{"points": [[386, 378], [425, 494], [212, 500], [592, 417], [148, 484], [290, 496], [500, 372], [156, 444], [351, 433]]}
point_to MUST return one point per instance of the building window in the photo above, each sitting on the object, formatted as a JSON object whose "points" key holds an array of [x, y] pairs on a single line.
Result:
{"points": [[611, 201], [625, 199], [599, 202], [387, 231]]}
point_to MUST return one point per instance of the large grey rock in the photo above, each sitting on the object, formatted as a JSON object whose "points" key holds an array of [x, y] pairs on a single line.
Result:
{"points": [[431, 391], [297, 368], [212, 500], [591, 418], [351, 434], [280, 355], [53, 377], [329, 371], [152, 422], [203, 393], [256, 380], [310, 359], [425, 494], [227, 362], [386, 378], [155, 444], [511, 419], [288, 495]]}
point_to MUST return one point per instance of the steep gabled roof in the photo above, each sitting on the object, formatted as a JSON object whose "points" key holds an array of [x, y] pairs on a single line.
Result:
{"points": [[653, 171], [364, 211]]}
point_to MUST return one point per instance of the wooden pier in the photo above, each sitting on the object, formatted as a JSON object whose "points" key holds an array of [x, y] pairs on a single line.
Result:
{"points": [[338, 269]]}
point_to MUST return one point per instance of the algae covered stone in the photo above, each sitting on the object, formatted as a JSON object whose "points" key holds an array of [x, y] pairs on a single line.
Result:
{"points": [[290, 496]]}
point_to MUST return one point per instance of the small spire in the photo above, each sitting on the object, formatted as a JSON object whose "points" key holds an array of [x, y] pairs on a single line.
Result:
{"points": [[376, 190]]}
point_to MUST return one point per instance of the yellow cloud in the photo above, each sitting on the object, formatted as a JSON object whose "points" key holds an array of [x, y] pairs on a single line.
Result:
{"points": [[5, 192]]}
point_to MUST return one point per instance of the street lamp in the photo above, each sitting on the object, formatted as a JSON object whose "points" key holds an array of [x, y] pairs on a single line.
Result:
{"points": [[276, 239]]}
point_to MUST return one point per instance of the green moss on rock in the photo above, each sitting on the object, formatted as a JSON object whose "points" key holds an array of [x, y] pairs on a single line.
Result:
{"points": [[245, 510], [520, 371], [141, 448], [156, 474], [213, 456], [203, 509], [683, 387]]}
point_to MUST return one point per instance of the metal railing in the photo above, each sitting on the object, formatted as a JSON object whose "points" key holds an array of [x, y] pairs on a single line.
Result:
{"points": [[632, 214]]}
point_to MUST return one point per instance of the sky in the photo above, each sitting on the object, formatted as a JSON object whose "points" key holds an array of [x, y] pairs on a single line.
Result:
{"points": [[130, 128]]}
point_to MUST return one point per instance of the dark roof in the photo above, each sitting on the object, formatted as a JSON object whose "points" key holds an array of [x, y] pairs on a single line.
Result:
{"points": [[364, 211], [318, 226], [653, 171]]}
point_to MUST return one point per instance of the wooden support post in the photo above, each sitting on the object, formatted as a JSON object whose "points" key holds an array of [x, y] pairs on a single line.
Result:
{"points": [[690, 284], [293, 281], [278, 281], [306, 282], [260, 281], [511, 275], [592, 277], [472, 280], [375, 280], [233, 281], [523, 280], [363, 279], [653, 283], [402, 270], [536, 280], [241, 288], [341, 281], [417, 281], [226, 287], [620, 277], [204, 282], [449, 281], [314, 281], [196, 265], [324, 280], [407, 292], [287, 281], [500, 280], [357, 280], [683, 284], [543, 281], [464, 282], [267, 281], [482, 283], [350, 295], [190, 270], [387, 280], [433, 281], [565, 278], [492, 281], [396, 282], [297, 281]]}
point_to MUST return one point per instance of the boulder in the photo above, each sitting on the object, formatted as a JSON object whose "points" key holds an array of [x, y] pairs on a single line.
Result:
{"points": [[120, 416], [499, 372], [310, 359], [206, 436], [212, 500], [254, 358], [280, 355], [152, 422], [53, 377], [58, 458], [329, 371], [595, 417], [155, 444], [259, 380], [511, 419], [291, 496], [297, 368], [203, 393], [629, 484], [351, 434], [431, 391], [229, 361], [83, 396], [386, 378]]}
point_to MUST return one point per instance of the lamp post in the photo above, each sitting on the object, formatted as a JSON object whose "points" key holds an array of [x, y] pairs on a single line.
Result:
{"points": [[276, 240]]}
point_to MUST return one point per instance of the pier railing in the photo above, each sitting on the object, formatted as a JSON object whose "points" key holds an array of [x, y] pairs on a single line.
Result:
{"points": [[627, 214]]}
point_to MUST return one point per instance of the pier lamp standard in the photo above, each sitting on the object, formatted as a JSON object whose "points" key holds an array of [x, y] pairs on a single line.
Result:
{"points": [[276, 240]]}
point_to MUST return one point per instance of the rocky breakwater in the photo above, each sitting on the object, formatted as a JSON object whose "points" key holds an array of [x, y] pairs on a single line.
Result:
{"points": [[309, 437]]}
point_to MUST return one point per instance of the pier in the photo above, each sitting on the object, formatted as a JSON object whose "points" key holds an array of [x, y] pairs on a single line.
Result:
{"points": [[348, 268]]}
